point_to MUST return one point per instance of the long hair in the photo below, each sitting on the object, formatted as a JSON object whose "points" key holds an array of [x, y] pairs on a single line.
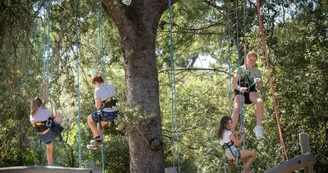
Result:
{"points": [[35, 104], [223, 123]]}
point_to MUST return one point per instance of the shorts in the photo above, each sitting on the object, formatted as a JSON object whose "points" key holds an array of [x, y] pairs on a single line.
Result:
{"points": [[246, 96], [51, 134], [232, 152], [105, 116]]}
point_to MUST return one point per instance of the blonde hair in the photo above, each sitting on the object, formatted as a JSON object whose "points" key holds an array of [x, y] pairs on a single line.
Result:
{"points": [[252, 53], [35, 104]]}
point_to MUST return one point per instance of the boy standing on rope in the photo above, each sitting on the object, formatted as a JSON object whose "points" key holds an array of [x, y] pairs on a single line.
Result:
{"points": [[247, 78], [105, 101], [46, 125], [229, 141]]}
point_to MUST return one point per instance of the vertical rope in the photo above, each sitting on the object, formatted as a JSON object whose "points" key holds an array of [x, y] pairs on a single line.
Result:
{"points": [[173, 92], [44, 57], [241, 112], [101, 49], [78, 79], [230, 76], [282, 144], [47, 54], [239, 62], [229, 58], [100, 37], [243, 121], [45, 39]]}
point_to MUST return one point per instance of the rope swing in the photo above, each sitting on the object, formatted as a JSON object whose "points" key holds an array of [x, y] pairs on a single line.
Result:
{"points": [[78, 79], [282, 144], [175, 134]]}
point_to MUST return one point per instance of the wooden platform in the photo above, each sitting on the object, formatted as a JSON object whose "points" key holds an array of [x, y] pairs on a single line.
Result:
{"points": [[47, 169]]}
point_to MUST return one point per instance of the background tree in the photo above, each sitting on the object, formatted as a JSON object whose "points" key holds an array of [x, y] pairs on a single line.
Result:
{"points": [[295, 32]]}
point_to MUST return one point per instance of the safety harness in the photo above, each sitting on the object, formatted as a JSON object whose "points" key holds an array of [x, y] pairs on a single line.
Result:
{"points": [[235, 153], [247, 82], [40, 127], [109, 102], [43, 125]]}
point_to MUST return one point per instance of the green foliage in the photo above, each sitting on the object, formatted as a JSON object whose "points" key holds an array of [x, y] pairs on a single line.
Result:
{"points": [[298, 52]]}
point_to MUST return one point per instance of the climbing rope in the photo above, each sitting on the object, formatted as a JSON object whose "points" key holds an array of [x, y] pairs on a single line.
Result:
{"points": [[100, 37], [243, 121], [230, 76], [241, 112], [175, 135], [229, 59], [101, 54], [47, 54], [78, 79], [282, 144]]}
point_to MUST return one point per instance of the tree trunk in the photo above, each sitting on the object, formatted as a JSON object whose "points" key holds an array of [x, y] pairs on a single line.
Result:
{"points": [[137, 24]]}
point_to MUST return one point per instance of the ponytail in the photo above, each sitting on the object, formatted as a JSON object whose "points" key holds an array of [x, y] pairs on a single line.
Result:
{"points": [[35, 104]]}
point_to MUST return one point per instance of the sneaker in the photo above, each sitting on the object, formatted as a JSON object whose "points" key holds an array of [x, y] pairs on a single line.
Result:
{"points": [[94, 144], [258, 132]]}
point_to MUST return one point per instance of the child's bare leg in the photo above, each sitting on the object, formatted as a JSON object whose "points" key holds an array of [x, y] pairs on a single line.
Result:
{"points": [[58, 117], [236, 109], [49, 153], [93, 126], [101, 131], [249, 156], [255, 98]]}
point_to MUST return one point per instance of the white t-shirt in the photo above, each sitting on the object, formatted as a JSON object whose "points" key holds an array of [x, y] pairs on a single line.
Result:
{"points": [[104, 92], [40, 115], [226, 137]]}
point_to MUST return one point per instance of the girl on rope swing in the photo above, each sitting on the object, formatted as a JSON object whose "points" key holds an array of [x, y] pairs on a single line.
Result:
{"points": [[229, 141], [247, 78], [46, 124], [105, 102]]}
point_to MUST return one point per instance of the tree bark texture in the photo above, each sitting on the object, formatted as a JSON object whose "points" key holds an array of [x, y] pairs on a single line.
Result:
{"points": [[137, 25]]}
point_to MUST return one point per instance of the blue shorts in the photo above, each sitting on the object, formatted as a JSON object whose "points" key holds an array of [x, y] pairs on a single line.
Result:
{"points": [[51, 134], [105, 116]]}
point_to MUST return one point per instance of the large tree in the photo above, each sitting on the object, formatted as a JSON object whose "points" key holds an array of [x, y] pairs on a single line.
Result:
{"points": [[137, 23]]}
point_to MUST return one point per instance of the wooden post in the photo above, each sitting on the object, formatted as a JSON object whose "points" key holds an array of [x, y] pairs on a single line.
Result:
{"points": [[293, 164], [171, 170], [305, 148], [306, 160], [89, 164]]}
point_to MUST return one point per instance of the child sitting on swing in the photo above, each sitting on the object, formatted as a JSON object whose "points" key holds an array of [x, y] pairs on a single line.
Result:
{"points": [[229, 141]]}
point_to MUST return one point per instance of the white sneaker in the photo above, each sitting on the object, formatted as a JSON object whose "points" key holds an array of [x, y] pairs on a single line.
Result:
{"points": [[94, 144], [258, 132]]}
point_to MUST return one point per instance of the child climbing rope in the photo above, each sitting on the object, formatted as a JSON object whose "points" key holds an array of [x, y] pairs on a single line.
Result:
{"points": [[46, 125], [105, 101], [229, 141], [245, 80]]}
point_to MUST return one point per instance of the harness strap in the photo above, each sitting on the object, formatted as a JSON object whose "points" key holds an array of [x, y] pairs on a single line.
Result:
{"points": [[227, 145], [109, 102], [43, 125], [235, 153]]}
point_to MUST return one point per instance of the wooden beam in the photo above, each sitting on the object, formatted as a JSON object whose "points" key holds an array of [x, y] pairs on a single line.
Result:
{"points": [[293, 164], [47, 169], [305, 148]]}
